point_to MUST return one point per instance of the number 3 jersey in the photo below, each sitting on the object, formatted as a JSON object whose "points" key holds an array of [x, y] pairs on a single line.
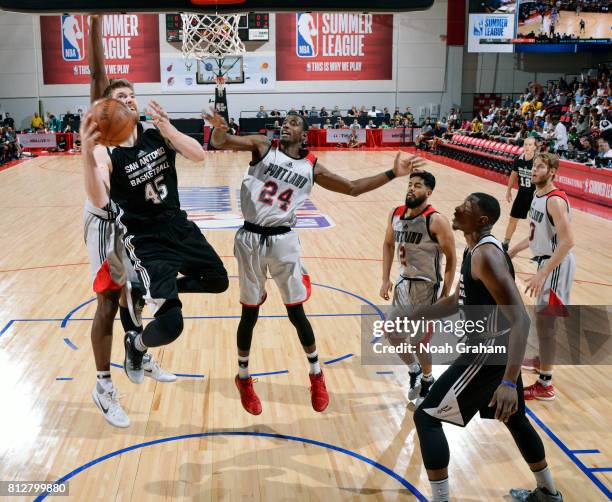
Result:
{"points": [[542, 232], [419, 254], [143, 181], [275, 187]]}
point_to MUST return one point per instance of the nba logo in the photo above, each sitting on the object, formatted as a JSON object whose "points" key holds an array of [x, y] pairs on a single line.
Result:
{"points": [[73, 41], [479, 28], [307, 35]]}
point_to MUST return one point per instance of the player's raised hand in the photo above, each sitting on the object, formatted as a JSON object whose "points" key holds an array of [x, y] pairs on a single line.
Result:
{"points": [[88, 133], [385, 289], [159, 115], [404, 164], [214, 119]]}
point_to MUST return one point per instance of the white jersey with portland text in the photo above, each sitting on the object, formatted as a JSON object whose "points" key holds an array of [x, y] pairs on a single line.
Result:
{"points": [[542, 231], [419, 255], [275, 187]]}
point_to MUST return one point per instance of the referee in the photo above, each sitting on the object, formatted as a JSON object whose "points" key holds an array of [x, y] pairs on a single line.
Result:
{"points": [[521, 170]]}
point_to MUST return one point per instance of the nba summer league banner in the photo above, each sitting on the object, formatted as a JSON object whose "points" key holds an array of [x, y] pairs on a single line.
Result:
{"points": [[131, 48], [334, 46]]}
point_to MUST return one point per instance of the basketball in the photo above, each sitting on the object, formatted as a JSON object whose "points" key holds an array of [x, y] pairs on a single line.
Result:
{"points": [[115, 121]]}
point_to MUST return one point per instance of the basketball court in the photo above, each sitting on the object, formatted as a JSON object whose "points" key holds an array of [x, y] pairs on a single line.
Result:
{"points": [[191, 439], [597, 24]]}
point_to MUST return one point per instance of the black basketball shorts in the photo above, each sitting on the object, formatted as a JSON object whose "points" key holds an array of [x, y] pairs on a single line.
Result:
{"points": [[465, 389], [521, 204], [158, 257]]}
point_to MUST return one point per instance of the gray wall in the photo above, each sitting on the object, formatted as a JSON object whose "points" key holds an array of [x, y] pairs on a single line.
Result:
{"points": [[419, 65]]}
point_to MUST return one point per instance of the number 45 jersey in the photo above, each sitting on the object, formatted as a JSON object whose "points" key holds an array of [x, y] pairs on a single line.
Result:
{"points": [[275, 187], [144, 182]]}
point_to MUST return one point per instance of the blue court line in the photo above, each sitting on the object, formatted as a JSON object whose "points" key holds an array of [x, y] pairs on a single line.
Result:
{"points": [[6, 327], [64, 378], [419, 496], [70, 344], [183, 375], [600, 469], [270, 373], [604, 489], [361, 298], [576, 452], [69, 314], [346, 356], [384, 372]]}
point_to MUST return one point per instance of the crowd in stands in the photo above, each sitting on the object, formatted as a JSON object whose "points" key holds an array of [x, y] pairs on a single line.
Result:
{"points": [[69, 123], [573, 119], [340, 119]]}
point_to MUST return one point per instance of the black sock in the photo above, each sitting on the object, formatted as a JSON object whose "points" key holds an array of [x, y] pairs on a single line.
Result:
{"points": [[126, 320]]}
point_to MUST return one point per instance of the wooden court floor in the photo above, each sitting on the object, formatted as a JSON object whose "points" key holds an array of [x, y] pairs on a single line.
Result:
{"points": [[191, 440]]}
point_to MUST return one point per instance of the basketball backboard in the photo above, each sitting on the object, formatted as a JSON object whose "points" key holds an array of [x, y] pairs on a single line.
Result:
{"points": [[212, 6]]}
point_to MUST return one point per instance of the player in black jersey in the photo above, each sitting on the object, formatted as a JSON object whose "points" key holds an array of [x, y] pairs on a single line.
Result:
{"points": [[476, 383], [521, 170], [160, 241], [109, 264]]}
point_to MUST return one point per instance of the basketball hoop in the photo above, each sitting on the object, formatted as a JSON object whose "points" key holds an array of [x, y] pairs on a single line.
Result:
{"points": [[211, 36]]}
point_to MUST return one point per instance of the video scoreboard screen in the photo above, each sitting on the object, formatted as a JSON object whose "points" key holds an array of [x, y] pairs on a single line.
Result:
{"points": [[255, 26]]}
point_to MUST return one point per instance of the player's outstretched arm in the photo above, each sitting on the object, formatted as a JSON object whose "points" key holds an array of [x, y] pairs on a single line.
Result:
{"points": [[95, 157], [256, 143], [188, 147], [403, 165], [95, 53], [388, 250], [489, 265], [441, 229]]}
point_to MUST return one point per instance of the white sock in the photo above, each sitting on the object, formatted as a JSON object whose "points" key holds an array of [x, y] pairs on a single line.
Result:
{"points": [[544, 480], [414, 368], [105, 384], [138, 345], [545, 381], [313, 360], [243, 367], [427, 376], [439, 490]]}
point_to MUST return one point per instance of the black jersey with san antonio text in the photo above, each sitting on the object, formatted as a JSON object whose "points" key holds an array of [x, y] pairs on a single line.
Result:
{"points": [[143, 181], [475, 301]]}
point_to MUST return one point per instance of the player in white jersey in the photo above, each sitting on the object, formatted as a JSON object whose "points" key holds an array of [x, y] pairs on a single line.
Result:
{"points": [[419, 235], [550, 240], [280, 177]]}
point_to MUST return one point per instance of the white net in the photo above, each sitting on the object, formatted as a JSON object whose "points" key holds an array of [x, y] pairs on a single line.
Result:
{"points": [[211, 36]]}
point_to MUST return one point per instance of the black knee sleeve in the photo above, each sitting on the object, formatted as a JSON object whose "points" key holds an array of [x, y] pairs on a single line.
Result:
{"points": [[298, 318], [166, 327], [248, 319], [434, 447], [526, 438]]}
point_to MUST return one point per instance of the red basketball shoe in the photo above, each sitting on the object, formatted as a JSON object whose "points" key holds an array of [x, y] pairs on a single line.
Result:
{"points": [[531, 364], [318, 392], [539, 392], [248, 398]]}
